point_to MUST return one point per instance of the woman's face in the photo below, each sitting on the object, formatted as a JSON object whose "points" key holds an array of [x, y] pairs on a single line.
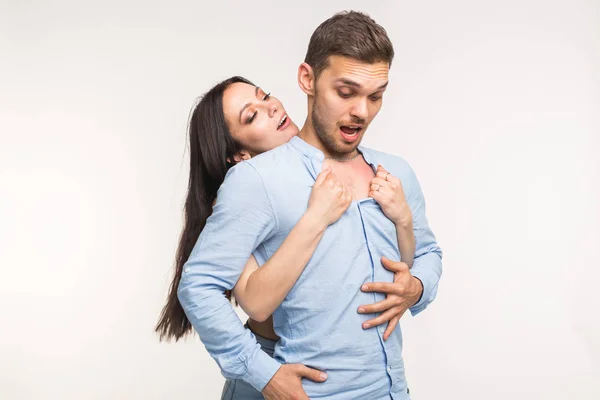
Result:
{"points": [[257, 121]]}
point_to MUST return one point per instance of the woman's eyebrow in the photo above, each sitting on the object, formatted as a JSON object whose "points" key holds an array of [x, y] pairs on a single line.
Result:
{"points": [[248, 104]]}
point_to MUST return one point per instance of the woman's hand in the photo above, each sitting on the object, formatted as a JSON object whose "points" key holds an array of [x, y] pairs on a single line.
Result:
{"points": [[329, 199], [387, 191]]}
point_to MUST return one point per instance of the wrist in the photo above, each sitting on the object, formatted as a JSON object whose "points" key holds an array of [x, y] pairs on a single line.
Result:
{"points": [[418, 291], [313, 222], [261, 370], [403, 223]]}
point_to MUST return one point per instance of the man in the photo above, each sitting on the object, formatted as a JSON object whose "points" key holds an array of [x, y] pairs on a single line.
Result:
{"points": [[321, 323]]}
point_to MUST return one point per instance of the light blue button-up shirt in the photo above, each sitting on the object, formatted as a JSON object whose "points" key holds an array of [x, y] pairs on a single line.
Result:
{"points": [[258, 204]]}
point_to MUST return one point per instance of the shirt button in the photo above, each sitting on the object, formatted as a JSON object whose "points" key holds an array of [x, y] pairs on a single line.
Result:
{"points": [[389, 369]]}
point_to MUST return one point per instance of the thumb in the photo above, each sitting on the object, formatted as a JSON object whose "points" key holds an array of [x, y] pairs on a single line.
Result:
{"points": [[313, 374], [322, 176], [389, 264]]}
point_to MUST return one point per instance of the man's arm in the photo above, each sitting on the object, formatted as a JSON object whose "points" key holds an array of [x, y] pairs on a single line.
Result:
{"points": [[242, 219], [427, 265]]}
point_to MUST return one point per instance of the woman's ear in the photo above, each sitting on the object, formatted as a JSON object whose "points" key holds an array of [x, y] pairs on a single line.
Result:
{"points": [[239, 157], [306, 79]]}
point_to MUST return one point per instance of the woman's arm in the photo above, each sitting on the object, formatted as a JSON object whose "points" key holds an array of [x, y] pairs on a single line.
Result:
{"points": [[302, 242], [388, 192], [406, 241], [259, 291]]}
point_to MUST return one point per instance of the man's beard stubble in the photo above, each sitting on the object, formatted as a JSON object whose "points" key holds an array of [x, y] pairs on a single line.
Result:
{"points": [[328, 140]]}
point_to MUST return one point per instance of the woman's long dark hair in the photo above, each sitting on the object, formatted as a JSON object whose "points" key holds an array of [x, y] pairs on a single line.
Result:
{"points": [[211, 145]]}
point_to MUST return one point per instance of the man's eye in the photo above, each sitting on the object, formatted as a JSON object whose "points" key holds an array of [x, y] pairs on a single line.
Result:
{"points": [[345, 95]]}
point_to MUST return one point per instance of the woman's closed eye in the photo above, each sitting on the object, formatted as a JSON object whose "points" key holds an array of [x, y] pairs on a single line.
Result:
{"points": [[253, 116]]}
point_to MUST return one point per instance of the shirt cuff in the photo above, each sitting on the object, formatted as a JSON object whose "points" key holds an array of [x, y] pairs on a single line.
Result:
{"points": [[429, 278], [422, 291], [260, 370], [422, 303]]}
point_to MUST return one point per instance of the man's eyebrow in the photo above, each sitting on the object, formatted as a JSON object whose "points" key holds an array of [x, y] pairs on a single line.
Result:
{"points": [[357, 85], [349, 82]]}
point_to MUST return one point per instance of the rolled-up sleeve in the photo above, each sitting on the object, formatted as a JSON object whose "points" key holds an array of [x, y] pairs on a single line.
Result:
{"points": [[427, 266], [242, 218]]}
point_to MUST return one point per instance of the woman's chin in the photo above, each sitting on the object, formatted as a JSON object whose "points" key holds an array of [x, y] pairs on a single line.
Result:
{"points": [[292, 131]]}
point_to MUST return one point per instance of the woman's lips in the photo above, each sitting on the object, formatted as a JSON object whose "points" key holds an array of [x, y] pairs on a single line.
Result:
{"points": [[286, 123]]}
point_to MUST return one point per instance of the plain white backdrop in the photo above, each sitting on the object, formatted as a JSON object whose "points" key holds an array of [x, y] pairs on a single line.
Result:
{"points": [[495, 104]]}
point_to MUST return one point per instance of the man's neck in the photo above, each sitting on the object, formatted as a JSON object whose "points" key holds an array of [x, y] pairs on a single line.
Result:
{"points": [[307, 133]]}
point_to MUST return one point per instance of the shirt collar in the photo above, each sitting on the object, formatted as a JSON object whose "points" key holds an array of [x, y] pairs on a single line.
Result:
{"points": [[312, 152], [307, 149]]}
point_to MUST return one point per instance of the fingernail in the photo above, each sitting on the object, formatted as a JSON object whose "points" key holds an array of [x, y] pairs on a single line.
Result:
{"points": [[365, 287], [323, 375], [360, 309], [366, 326]]}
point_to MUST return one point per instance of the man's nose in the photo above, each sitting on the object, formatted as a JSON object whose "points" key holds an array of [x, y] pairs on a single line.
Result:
{"points": [[360, 109]]}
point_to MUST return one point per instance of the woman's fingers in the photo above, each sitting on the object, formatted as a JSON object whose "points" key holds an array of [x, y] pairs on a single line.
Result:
{"points": [[322, 176], [381, 169], [379, 181], [375, 187], [382, 173]]}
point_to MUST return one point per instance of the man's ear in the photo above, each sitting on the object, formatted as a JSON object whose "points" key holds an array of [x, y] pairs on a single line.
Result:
{"points": [[306, 79], [239, 157]]}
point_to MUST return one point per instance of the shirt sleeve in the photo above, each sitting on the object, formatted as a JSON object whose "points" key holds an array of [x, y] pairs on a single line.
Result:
{"points": [[427, 266], [242, 218]]}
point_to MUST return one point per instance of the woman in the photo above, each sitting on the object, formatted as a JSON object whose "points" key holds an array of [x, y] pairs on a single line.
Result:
{"points": [[235, 121]]}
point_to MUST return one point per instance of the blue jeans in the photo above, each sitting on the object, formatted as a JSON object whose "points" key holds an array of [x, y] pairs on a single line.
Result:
{"points": [[237, 389]]}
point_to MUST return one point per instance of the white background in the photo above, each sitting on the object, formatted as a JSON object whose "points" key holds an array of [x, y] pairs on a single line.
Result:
{"points": [[495, 104]]}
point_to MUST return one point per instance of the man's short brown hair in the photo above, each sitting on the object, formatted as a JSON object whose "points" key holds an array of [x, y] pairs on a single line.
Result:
{"points": [[350, 34]]}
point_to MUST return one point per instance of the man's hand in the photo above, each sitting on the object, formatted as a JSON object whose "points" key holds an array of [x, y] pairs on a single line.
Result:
{"points": [[402, 294], [286, 384]]}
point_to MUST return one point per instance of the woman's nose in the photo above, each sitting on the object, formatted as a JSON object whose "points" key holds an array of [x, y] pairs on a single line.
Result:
{"points": [[272, 109]]}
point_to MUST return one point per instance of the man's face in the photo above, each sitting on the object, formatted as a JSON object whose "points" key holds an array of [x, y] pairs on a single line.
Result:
{"points": [[348, 95]]}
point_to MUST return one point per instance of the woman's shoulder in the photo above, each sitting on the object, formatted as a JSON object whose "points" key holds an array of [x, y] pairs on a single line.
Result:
{"points": [[281, 155]]}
